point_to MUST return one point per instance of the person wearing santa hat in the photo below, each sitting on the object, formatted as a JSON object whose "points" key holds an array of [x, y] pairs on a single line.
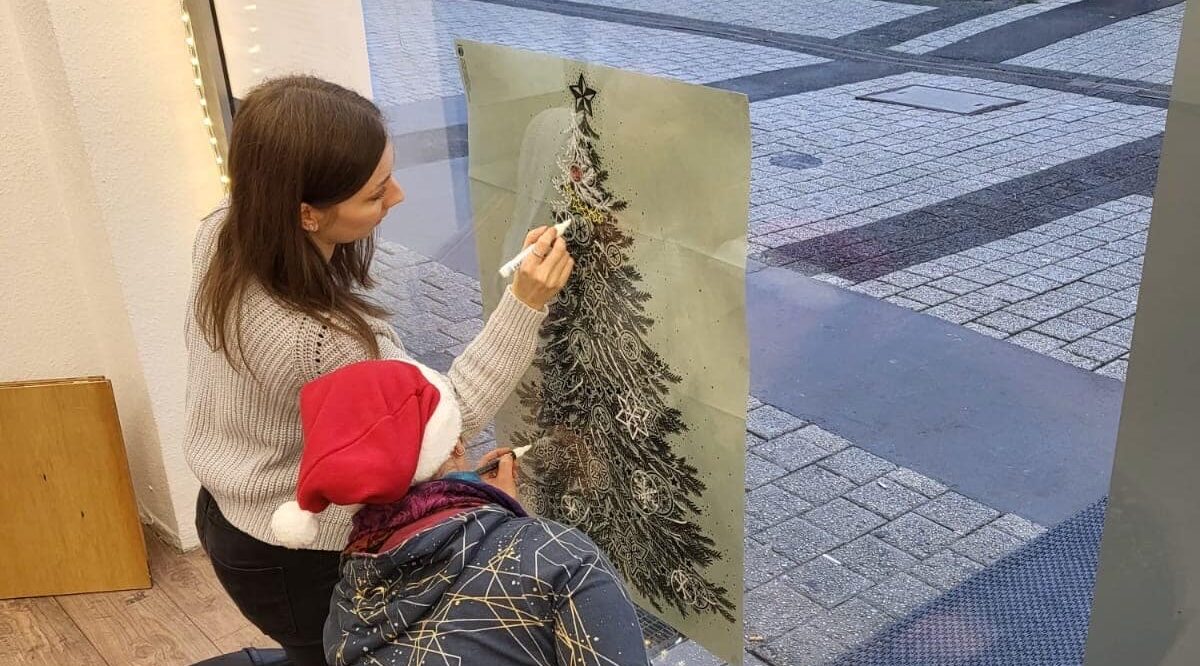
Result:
{"points": [[442, 567]]}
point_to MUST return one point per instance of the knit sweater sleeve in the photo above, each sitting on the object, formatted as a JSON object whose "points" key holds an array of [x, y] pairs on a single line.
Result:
{"points": [[482, 377]]}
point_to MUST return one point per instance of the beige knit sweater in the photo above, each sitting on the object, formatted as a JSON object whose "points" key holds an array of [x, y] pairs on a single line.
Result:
{"points": [[244, 437]]}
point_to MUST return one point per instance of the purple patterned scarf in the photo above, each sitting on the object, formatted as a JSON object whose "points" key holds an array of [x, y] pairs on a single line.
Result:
{"points": [[374, 524]]}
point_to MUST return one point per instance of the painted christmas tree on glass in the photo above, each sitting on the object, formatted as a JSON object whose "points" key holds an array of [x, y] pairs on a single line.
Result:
{"points": [[597, 414]]}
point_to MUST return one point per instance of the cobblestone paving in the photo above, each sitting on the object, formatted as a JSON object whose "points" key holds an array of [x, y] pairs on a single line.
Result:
{"points": [[878, 160], [820, 18], [838, 541], [955, 33], [1067, 289], [1141, 48], [412, 55]]}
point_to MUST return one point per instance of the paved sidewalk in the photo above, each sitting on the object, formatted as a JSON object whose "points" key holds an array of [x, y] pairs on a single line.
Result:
{"points": [[1026, 224]]}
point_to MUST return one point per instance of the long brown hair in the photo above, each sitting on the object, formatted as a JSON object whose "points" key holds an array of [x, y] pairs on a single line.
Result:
{"points": [[296, 139]]}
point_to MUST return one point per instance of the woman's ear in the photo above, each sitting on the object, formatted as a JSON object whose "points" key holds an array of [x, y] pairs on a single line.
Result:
{"points": [[310, 218]]}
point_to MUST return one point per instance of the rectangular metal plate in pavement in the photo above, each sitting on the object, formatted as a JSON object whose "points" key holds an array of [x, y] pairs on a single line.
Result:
{"points": [[942, 99]]}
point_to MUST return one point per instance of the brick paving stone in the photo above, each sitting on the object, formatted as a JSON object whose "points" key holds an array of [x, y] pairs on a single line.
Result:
{"points": [[900, 595], [753, 441], [761, 472], [798, 540], [1007, 292], [819, 437], [791, 451], [1063, 329], [844, 519], [1036, 341], [1017, 526], [979, 302], [1092, 319], [906, 303], [1115, 306], [1116, 369], [753, 403], [857, 465], [827, 635], [957, 512], [956, 285], [885, 497], [946, 570], [917, 481], [870, 557], [927, 295], [905, 279], [952, 313], [827, 583], [1006, 322], [763, 565], [876, 288], [775, 608], [815, 484], [1074, 359], [768, 422], [983, 275], [1034, 283], [769, 505], [1116, 335], [916, 535], [987, 545], [1097, 350], [985, 330]]}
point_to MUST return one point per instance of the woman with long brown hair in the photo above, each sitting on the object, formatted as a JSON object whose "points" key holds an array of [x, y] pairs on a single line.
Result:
{"points": [[279, 276]]}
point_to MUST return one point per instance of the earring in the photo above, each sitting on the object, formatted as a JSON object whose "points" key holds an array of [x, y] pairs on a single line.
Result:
{"points": [[459, 450]]}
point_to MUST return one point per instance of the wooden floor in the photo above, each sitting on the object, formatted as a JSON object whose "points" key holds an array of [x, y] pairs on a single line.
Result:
{"points": [[184, 618]]}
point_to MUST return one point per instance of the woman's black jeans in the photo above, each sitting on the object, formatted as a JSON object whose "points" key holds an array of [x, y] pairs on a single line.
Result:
{"points": [[283, 592]]}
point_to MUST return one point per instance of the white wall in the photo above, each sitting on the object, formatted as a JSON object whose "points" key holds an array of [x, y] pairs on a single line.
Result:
{"points": [[105, 171]]}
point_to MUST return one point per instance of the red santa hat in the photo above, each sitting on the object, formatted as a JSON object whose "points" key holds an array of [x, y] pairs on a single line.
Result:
{"points": [[371, 430]]}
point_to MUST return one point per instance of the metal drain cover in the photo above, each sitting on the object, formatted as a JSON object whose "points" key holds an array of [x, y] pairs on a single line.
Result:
{"points": [[942, 99]]}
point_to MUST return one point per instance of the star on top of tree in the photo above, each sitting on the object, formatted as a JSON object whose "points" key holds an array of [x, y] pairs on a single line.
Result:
{"points": [[583, 96]]}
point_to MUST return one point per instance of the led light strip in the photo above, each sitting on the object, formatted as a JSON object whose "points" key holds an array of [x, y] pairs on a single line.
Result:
{"points": [[198, 79]]}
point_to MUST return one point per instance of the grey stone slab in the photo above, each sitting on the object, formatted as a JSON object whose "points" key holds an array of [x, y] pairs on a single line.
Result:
{"points": [[1116, 369], [1115, 335], [1063, 329], [1006, 322], [920, 391], [752, 403], [1017, 526], [886, 497], [768, 422], [689, 653], [826, 582], [844, 519], [799, 540], [980, 303], [987, 545], [916, 535], [763, 564], [791, 452], [760, 472], [956, 284], [952, 313], [772, 504], [927, 295], [1007, 292], [1036, 341], [946, 570], [777, 607], [857, 465], [959, 513], [815, 484], [933, 98], [1074, 359], [819, 437], [900, 595], [918, 482], [827, 635], [1097, 350], [872, 558]]}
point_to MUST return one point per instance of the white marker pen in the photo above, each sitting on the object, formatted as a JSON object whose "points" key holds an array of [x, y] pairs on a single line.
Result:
{"points": [[508, 269]]}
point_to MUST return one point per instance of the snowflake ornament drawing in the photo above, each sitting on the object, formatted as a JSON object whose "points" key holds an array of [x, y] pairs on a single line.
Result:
{"points": [[597, 414]]}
